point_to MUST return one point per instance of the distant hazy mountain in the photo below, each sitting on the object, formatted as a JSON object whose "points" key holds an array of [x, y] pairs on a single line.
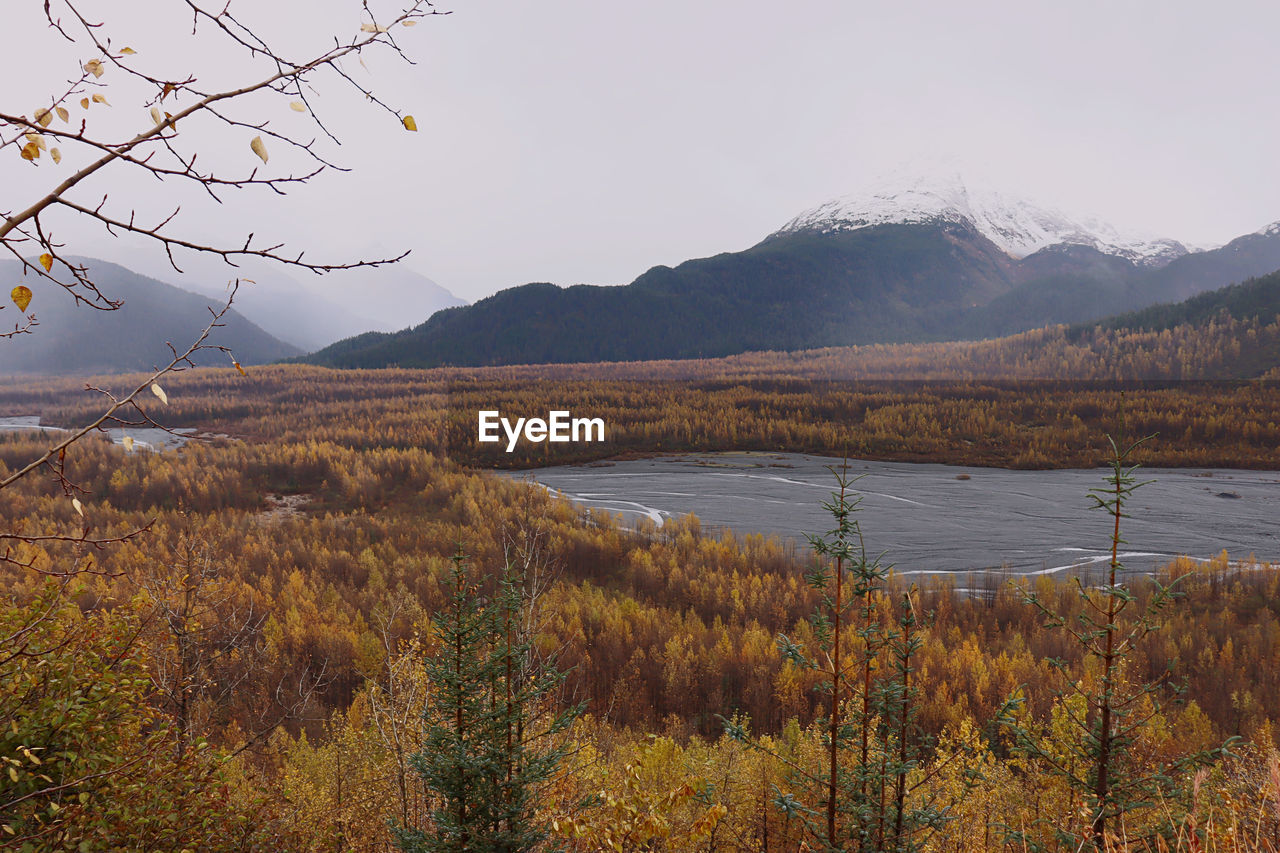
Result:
{"points": [[311, 311], [73, 338], [395, 296], [932, 261], [1066, 289], [1252, 299], [340, 304]]}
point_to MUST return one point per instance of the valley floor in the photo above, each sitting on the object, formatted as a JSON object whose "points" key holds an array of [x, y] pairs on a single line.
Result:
{"points": [[249, 671], [941, 519]]}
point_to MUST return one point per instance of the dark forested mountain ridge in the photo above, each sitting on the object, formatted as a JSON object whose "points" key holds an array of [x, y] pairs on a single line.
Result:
{"points": [[929, 266], [789, 292]]}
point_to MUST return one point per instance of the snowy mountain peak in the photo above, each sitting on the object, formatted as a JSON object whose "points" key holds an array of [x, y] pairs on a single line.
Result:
{"points": [[1018, 227]]}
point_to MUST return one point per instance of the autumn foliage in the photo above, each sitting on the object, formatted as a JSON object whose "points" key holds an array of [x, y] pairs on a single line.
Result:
{"points": [[318, 532]]}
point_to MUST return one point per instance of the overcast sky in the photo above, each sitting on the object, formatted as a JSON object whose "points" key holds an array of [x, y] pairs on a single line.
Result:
{"points": [[584, 141]]}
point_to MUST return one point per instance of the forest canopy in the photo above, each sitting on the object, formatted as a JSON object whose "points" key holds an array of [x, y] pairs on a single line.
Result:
{"points": [[317, 533]]}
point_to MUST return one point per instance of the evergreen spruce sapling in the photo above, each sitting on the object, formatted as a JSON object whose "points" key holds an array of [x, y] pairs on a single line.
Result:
{"points": [[481, 756], [1099, 763], [863, 660]]}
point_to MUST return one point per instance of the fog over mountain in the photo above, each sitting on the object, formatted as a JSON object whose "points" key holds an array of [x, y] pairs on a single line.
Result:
{"points": [[307, 310], [71, 338]]}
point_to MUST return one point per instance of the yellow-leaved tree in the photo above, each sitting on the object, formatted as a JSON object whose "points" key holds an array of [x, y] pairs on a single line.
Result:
{"points": [[142, 118]]}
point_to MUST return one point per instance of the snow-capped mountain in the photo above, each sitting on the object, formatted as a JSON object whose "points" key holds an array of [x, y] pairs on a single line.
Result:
{"points": [[965, 263], [1020, 228]]}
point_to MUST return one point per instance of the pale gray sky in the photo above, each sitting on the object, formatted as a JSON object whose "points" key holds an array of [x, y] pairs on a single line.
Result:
{"points": [[583, 141]]}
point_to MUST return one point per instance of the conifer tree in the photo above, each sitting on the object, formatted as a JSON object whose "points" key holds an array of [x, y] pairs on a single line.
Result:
{"points": [[863, 660], [1108, 709], [482, 755]]}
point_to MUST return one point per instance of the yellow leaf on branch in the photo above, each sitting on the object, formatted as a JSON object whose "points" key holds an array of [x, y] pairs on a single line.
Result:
{"points": [[63, 113], [56, 155], [46, 261], [43, 118], [100, 99], [159, 392], [410, 124], [21, 296], [94, 67]]}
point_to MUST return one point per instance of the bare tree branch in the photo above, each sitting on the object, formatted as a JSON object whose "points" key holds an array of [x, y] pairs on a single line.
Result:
{"points": [[154, 149]]}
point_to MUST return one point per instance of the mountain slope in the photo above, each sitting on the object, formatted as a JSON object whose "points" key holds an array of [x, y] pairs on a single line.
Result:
{"points": [[1253, 299], [77, 339], [1238, 324], [920, 266], [317, 311], [789, 292], [1100, 286], [395, 296]]}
